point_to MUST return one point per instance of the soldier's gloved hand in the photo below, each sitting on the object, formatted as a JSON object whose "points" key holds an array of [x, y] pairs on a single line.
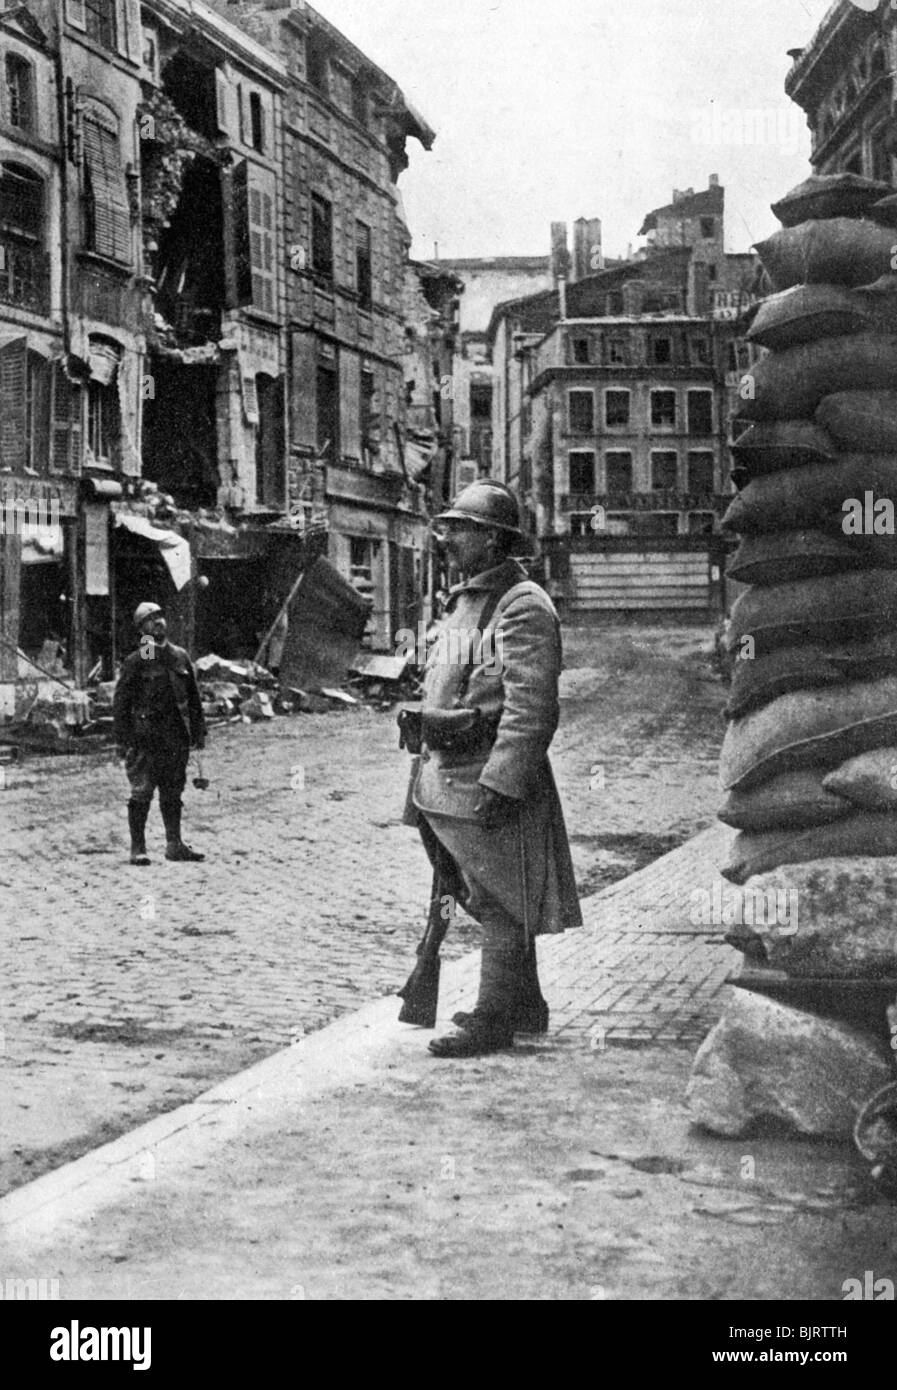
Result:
{"points": [[497, 809]]}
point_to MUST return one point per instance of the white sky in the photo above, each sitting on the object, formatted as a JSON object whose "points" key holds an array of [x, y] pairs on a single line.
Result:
{"points": [[547, 110]]}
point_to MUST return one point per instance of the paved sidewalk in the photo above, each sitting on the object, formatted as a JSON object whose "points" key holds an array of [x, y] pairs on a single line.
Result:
{"points": [[354, 1165]]}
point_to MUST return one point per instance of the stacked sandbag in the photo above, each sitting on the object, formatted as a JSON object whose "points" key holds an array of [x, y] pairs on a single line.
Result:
{"points": [[809, 760]]}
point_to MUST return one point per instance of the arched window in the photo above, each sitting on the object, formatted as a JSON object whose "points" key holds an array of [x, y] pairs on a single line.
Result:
{"points": [[107, 217], [21, 202], [19, 83]]}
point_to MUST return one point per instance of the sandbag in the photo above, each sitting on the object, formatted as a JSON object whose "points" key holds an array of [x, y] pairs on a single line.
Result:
{"points": [[758, 681], [792, 384], [837, 251], [770, 445], [793, 800], [782, 556], [869, 781], [809, 728], [829, 195], [863, 834], [807, 312], [863, 421], [812, 496], [808, 610]]}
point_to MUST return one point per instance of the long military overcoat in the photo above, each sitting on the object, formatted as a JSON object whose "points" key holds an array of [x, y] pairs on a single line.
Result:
{"points": [[157, 699], [512, 674]]}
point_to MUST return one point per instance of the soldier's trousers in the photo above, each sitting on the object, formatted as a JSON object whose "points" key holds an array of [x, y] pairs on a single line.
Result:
{"points": [[163, 765], [504, 968]]}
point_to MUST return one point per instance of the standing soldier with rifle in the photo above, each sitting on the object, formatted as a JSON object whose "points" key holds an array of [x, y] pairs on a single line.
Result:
{"points": [[482, 792]]}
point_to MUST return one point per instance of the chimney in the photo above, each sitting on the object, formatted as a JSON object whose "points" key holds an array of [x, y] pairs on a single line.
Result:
{"points": [[588, 256], [713, 181], [560, 256]]}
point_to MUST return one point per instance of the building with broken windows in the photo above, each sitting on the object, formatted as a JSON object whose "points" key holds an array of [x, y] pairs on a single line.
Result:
{"points": [[612, 396]]}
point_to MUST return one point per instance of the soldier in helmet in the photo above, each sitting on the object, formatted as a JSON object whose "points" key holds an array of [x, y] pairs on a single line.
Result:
{"points": [[158, 718], [487, 808]]}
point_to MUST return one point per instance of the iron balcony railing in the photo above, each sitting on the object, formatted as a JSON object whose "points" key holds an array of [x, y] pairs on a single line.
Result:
{"points": [[659, 501]]}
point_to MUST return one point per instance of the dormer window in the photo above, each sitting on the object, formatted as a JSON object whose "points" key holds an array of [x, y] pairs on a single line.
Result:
{"points": [[19, 92]]}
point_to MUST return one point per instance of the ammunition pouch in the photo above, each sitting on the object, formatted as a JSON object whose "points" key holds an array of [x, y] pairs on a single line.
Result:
{"points": [[445, 730]]}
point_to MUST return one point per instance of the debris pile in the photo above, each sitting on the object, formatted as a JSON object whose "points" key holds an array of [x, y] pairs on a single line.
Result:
{"points": [[809, 761]]}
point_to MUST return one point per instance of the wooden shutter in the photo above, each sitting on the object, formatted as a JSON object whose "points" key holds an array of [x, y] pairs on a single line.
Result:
{"points": [[349, 403], [303, 408], [13, 405], [242, 257], [261, 237], [130, 31], [223, 99], [40, 414], [108, 194], [74, 13], [65, 445]]}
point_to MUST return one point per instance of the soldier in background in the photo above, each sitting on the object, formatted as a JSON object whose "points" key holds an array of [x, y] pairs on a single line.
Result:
{"points": [[158, 717]]}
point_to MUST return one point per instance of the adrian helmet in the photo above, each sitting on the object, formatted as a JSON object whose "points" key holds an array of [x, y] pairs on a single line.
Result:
{"points": [[488, 503], [144, 611]]}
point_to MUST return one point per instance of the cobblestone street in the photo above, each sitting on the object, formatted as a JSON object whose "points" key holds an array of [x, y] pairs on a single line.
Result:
{"points": [[126, 992]]}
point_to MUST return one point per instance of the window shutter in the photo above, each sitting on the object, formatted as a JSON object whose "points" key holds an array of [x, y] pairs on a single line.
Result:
{"points": [[40, 415], [350, 403], [108, 193], [242, 257], [222, 102], [133, 31], [74, 13], [13, 442], [303, 412], [261, 237], [65, 448]]}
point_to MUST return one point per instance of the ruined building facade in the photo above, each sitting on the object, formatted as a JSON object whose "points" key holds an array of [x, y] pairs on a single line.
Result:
{"points": [[203, 261]]}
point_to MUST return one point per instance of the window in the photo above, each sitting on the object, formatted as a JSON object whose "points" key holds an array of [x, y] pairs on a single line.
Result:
{"points": [[700, 351], [481, 403], [322, 235], [701, 523], [711, 273], [367, 412], [618, 471], [317, 63], [24, 408], [327, 401], [616, 407], [19, 93], [581, 412], [254, 236], [99, 21], [614, 303], [700, 472], [663, 409], [659, 524], [582, 351], [664, 470], [107, 216], [103, 423], [616, 352], [700, 412], [660, 351], [21, 201], [360, 557], [363, 279], [582, 472], [359, 102], [256, 123], [708, 228]]}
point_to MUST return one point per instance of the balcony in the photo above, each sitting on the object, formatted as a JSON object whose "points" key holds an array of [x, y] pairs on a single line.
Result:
{"points": [[660, 501], [24, 277]]}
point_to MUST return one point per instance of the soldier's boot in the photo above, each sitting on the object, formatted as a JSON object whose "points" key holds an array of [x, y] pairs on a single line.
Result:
{"points": [[137, 814], [175, 847], [490, 1027], [530, 1008]]}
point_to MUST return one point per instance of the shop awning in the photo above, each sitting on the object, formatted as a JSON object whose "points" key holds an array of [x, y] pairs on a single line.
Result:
{"points": [[175, 549]]}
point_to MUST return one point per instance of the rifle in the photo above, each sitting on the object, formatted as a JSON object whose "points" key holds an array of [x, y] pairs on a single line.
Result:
{"points": [[421, 989]]}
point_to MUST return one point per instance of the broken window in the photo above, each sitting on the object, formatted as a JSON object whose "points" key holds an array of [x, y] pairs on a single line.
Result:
{"points": [[103, 423], [664, 471], [107, 215], [581, 412], [700, 412], [616, 407], [363, 280], [322, 235], [254, 226], [663, 409], [19, 92], [327, 406], [21, 201], [708, 228], [99, 21]]}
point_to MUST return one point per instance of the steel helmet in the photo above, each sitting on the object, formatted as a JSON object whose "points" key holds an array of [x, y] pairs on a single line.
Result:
{"points": [[144, 611], [487, 502]]}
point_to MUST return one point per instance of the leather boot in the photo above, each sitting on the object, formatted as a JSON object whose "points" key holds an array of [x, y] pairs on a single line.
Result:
{"points": [[491, 1025], [530, 1012], [175, 848], [137, 814], [483, 1033]]}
